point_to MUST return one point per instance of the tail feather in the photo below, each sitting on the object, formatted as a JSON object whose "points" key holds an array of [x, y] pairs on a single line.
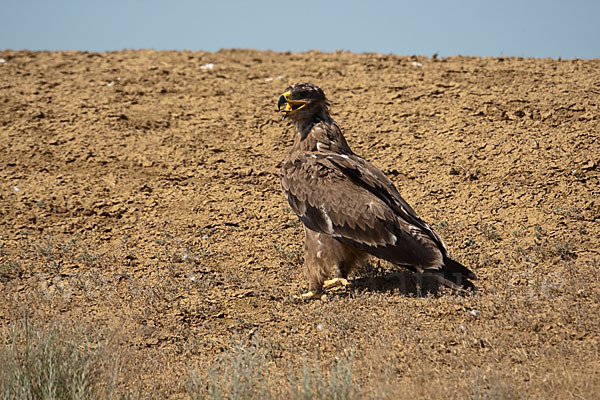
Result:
{"points": [[454, 267], [455, 275]]}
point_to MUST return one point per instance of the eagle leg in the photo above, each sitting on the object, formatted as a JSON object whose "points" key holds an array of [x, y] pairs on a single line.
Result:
{"points": [[335, 282]]}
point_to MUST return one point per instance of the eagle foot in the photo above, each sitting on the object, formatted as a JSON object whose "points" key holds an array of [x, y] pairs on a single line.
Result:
{"points": [[311, 296], [335, 282]]}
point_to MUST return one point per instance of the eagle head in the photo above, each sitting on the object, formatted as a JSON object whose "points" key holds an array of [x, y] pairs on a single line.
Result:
{"points": [[301, 99]]}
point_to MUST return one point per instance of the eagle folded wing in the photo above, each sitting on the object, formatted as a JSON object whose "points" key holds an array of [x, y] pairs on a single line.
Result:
{"points": [[348, 198], [364, 174]]}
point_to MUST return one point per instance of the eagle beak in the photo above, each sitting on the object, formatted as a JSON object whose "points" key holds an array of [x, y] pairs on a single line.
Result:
{"points": [[282, 100], [291, 106]]}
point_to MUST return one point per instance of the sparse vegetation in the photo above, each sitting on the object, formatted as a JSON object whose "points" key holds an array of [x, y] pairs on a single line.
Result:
{"points": [[243, 372], [50, 254], [52, 363], [10, 270], [442, 225], [149, 225], [313, 384], [489, 231], [239, 373], [292, 256]]}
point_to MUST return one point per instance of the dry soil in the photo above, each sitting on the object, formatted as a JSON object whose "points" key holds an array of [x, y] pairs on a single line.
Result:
{"points": [[140, 201]]}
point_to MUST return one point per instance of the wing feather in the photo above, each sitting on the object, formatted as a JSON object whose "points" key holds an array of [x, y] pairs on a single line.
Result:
{"points": [[364, 174], [350, 199]]}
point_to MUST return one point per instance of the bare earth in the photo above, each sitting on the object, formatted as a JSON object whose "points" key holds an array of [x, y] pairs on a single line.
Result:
{"points": [[140, 202]]}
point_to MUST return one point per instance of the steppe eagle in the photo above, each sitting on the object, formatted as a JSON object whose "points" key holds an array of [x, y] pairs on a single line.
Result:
{"points": [[349, 208]]}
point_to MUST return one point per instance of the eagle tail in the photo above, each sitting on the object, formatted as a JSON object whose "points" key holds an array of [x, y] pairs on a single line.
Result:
{"points": [[455, 275]]}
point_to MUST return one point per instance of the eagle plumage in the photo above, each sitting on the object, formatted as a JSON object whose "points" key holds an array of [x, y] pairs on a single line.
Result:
{"points": [[349, 208]]}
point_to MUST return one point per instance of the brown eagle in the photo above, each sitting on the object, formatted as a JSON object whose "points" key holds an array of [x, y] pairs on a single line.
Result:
{"points": [[349, 208]]}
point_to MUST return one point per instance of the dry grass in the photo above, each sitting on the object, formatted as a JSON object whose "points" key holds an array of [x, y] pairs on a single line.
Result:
{"points": [[55, 363], [144, 234], [245, 372]]}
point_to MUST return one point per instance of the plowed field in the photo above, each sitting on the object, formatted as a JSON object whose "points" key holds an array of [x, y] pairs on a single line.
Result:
{"points": [[140, 204]]}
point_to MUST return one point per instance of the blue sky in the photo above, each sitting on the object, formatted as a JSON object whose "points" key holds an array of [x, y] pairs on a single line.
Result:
{"points": [[529, 28]]}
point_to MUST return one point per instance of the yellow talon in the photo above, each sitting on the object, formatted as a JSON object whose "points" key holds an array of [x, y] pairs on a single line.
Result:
{"points": [[332, 283], [335, 282], [311, 296]]}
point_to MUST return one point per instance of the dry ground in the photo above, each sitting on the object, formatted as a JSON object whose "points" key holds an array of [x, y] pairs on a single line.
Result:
{"points": [[140, 204]]}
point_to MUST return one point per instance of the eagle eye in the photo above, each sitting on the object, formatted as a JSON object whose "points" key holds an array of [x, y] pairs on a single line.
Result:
{"points": [[304, 94]]}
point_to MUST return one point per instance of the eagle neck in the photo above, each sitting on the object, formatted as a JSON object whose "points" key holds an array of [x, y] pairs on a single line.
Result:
{"points": [[321, 134], [305, 125]]}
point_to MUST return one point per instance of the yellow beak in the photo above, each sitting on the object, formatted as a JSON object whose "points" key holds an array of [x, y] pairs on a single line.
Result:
{"points": [[291, 106]]}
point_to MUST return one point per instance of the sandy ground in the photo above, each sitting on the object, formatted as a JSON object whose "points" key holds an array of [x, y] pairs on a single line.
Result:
{"points": [[140, 199]]}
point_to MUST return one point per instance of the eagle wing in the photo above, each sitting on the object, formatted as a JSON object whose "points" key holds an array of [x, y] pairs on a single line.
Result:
{"points": [[348, 198]]}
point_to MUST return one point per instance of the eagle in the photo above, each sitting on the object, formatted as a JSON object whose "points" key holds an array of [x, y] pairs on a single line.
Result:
{"points": [[349, 208]]}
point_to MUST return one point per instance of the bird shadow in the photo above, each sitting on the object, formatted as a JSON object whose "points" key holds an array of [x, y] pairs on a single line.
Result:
{"points": [[404, 282]]}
